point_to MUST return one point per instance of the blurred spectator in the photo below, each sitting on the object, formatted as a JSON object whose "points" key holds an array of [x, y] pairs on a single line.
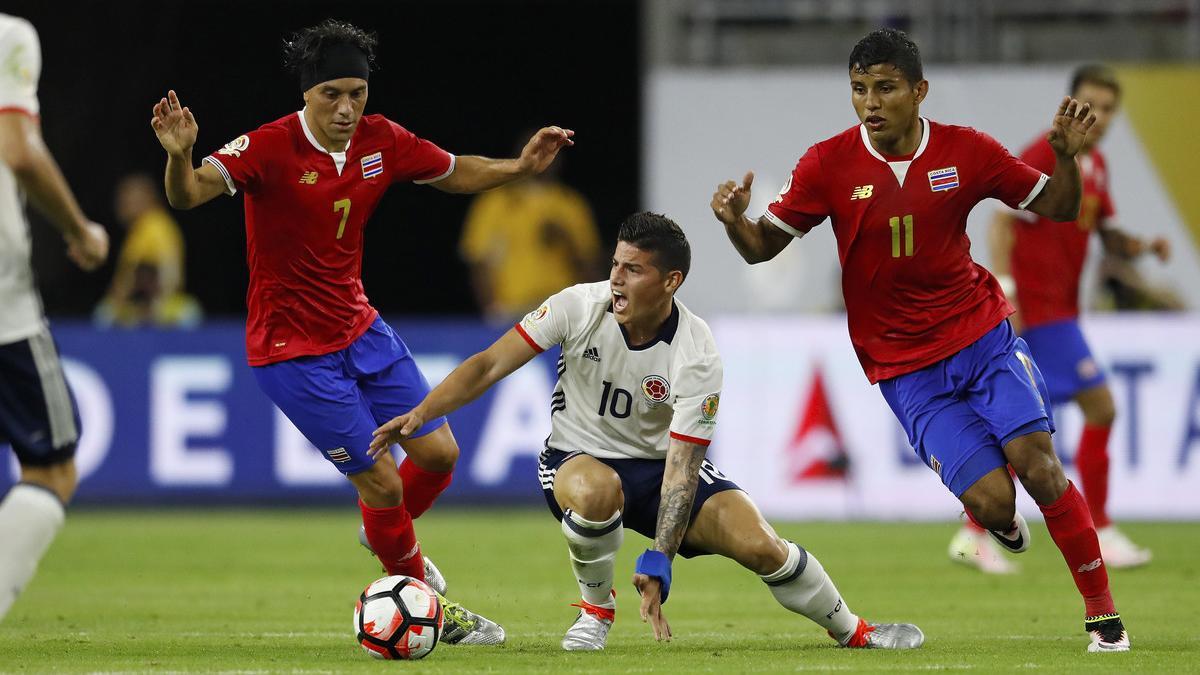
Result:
{"points": [[526, 241], [147, 288]]}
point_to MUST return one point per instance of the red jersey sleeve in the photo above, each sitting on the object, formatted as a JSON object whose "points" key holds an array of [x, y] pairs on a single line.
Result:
{"points": [[243, 161], [1005, 177], [418, 160], [801, 204]]}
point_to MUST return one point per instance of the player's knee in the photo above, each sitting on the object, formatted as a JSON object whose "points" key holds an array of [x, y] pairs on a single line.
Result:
{"points": [[60, 478], [765, 555], [1043, 476], [1101, 411], [992, 501], [441, 458], [379, 487], [596, 497]]}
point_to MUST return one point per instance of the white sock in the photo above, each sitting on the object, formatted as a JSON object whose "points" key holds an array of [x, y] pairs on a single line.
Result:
{"points": [[802, 586], [30, 517], [593, 548]]}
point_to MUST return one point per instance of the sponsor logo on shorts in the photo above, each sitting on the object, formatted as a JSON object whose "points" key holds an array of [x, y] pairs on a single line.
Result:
{"points": [[338, 455], [935, 465], [1087, 368], [708, 409], [655, 388]]}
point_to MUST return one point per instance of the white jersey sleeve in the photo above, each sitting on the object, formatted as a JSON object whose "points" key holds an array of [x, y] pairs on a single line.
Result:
{"points": [[698, 381], [551, 323], [20, 65]]}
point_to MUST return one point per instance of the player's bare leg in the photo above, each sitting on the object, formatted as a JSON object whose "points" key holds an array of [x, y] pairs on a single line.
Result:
{"points": [[590, 496], [1070, 525], [1099, 413], [729, 524], [991, 503], [31, 514], [972, 545]]}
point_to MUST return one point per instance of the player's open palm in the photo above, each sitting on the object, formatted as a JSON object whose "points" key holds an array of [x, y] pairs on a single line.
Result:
{"points": [[394, 431], [1070, 127], [174, 125], [731, 200], [652, 613], [543, 147]]}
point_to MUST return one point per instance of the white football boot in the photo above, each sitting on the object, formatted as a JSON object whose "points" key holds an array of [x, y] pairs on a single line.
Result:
{"points": [[590, 630], [974, 548], [884, 636], [1118, 551], [1015, 539]]}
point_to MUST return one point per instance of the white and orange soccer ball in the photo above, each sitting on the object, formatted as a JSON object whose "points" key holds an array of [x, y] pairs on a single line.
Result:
{"points": [[398, 618]]}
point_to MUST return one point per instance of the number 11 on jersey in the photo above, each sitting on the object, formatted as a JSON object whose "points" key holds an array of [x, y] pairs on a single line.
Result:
{"points": [[908, 236]]}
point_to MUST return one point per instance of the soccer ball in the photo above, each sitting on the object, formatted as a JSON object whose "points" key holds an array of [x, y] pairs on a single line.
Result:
{"points": [[398, 618]]}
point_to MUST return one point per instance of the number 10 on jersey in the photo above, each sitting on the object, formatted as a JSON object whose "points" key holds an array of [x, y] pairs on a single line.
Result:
{"points": [[895, 222]]}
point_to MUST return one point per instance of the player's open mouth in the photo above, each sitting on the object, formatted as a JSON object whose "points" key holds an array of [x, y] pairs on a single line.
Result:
{"points": [[620, 302], [875, 122]]}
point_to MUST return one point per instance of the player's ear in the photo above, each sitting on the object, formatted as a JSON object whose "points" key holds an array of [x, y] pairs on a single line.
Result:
{"points": [[921, 90], [674, 279]]}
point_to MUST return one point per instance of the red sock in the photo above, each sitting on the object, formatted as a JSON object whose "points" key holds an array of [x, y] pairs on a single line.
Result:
{"points": [[1072, 530], [390, 533], [1092, 460], [421, 487]]}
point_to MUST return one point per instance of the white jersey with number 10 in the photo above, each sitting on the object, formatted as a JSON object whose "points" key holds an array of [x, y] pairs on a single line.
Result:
{"points": [[615, 401]]}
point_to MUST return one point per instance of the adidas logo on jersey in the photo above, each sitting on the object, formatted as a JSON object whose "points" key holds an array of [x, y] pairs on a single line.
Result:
{"points": [[592, 353]]}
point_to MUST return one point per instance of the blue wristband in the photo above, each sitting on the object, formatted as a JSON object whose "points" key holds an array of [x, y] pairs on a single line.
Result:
{"points": [[656, 564]]}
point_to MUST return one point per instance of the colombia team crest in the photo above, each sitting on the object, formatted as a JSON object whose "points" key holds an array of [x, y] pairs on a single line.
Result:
{"points": [[656, 389]]}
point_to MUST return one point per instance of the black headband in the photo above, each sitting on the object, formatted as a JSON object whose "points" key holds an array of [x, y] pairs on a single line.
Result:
{"points": [[337, 61]]}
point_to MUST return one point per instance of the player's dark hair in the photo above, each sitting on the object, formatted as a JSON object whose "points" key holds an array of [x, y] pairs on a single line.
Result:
{"points": [[1095, 73], [890, 46], [660, 236], [307, 47]]}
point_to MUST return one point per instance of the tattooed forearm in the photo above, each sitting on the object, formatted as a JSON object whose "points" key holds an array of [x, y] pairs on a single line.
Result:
{"points": [[678, 492]]}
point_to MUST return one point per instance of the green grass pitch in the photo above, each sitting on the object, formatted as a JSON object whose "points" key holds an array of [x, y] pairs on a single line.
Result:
{"points": [[273, 591]]}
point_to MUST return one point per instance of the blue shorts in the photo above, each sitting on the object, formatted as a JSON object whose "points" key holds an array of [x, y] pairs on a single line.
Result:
{"points": [[641, 481], [1065, 360], [38, 415], [960, 412], [337, 400]]}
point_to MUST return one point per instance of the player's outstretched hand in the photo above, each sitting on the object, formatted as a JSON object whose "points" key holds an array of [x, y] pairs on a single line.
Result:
{"points": [[1070, 127], [543, 147], [174, 125], [1161, 248], [651, 591], [731, 200], [394, 431], [88, 247]]}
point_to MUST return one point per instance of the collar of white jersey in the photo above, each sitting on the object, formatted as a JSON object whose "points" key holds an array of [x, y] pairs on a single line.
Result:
{"points": [[313, 139], [866, 139]]}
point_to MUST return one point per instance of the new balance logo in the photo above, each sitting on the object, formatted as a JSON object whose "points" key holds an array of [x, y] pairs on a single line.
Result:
{"points": [[862, 192], [1095, 564], [309, 178], [592, 353]]}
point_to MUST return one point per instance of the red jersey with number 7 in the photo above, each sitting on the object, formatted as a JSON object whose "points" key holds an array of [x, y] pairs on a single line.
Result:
{"points": [[305, 213], [913, 294]]}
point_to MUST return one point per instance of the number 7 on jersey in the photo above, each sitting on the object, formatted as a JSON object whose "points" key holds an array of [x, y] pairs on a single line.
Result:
{"points": [[342, 205]]}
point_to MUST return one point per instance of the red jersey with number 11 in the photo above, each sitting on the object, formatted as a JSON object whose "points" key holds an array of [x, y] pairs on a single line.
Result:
{"points": [[913, 294], [305, 213]]}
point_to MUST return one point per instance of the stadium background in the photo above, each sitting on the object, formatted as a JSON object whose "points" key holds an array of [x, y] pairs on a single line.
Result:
{"points": [[668, 98]]}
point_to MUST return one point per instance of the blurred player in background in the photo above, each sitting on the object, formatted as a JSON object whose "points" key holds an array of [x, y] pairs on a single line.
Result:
{"points": [[317, 348], [1039, 263], [928, 324], [632, 414], [38, 417]]}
